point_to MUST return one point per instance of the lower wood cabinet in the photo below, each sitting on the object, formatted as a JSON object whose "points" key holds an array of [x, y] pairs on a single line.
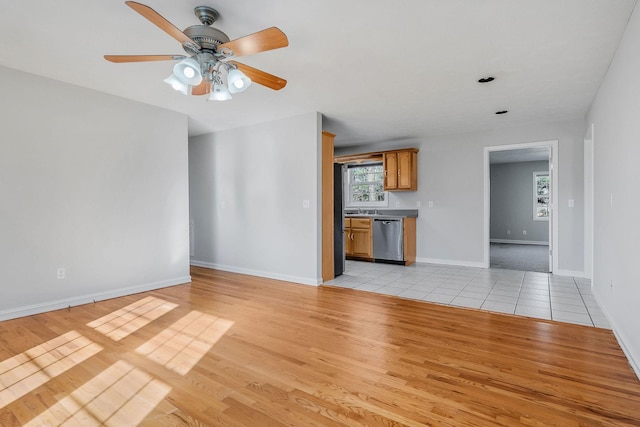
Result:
{"points": [[358, 237]]}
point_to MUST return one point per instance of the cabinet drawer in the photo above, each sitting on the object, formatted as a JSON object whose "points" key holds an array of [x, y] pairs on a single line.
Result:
{"points": [[360, 222], [347, 223]]}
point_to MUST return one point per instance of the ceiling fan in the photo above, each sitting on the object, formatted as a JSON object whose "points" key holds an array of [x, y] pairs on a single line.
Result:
{"points": [[210, 53]]}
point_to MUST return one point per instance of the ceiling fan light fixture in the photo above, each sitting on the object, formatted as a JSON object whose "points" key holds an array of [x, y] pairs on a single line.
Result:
{"points": [[188, 71], [208, 50], [175, 83], [238, 81], [219, 93]]}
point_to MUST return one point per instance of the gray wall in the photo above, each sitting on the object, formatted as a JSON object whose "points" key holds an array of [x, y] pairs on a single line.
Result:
{"points": [[90, 182], [451, 174], [247, 192], [616, 198], [512, 202]]}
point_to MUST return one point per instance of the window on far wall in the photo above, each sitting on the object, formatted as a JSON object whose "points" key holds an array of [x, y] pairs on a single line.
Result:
{"points": [[541, 194], [364, 185]]}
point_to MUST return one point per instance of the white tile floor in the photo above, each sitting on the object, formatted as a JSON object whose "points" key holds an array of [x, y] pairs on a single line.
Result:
{"points": [[540, 295]]}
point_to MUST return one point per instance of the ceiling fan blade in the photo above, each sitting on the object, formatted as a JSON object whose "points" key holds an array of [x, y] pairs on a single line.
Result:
{"points": [[271, 38], [261, 77], [142, 58], [202, 89], [161, 22]]}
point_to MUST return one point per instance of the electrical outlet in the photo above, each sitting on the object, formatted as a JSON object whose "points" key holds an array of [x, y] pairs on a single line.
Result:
{"points": [[61, 273], [524, 232], [430, 203], [612, 286], [306, 204], [418, 204], [508, 231]]}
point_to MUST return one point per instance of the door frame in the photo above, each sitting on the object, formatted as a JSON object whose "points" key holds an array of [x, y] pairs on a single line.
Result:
{"points": [[553, 173]]}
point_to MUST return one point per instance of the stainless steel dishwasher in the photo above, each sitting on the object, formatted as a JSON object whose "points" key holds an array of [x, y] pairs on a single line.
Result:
{"points": [[387, 239]]}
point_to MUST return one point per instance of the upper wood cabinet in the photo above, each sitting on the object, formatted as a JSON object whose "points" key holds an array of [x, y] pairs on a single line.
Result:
{"points": [[400, 170], [400, 167]]}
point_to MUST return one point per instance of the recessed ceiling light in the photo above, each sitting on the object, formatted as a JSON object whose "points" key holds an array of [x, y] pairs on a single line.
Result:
{"points": [[502, 112], [486, 79]]}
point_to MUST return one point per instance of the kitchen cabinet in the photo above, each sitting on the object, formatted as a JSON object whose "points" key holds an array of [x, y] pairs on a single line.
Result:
{"points": [[358, 238], [348, 247], [409, 240], [400, 170]]}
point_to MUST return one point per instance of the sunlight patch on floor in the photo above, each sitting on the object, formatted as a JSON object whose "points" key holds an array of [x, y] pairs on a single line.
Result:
{"points": [[27, 371], [181, 346], [122, 395], [122, 323]]}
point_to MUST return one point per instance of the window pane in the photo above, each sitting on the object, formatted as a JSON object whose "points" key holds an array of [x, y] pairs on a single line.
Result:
{"points": [[542, 212], [366, 184], [542, 184], [541, 195]]}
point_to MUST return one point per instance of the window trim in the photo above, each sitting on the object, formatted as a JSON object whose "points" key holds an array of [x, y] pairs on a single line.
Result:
{"points": [[348, 193], [535, 196]]}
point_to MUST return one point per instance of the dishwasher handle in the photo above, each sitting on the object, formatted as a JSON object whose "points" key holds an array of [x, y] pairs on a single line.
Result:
{"points": [[386, 221]]}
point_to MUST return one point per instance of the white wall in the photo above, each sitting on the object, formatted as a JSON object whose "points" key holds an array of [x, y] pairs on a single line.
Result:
{"points": [[92, 183], [512, 202], [247, 188], [451, 174], [615, 114]]}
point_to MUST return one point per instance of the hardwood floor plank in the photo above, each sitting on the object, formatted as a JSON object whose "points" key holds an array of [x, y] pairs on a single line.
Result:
{"points": [[237, 350]]}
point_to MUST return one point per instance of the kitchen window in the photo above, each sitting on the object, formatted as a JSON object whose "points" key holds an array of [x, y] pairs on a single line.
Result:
{"points": [[365, 185], [541, 193]]}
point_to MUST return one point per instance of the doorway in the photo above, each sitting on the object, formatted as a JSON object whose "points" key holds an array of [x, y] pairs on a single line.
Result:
{"points": [[520, 220]]}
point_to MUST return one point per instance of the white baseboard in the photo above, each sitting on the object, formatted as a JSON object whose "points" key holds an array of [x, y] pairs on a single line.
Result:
{"points": [[635, 364], [30, 310], [520, 242], [633, 361], [580, 274], [258, 273], [451, 262]]}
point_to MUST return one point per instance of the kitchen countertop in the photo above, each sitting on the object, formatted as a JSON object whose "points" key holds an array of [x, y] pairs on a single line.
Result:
{"points": [[381, 213]]}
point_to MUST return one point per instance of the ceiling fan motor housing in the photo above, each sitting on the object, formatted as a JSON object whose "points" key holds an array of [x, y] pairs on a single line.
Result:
{"points": [[207, 37]]}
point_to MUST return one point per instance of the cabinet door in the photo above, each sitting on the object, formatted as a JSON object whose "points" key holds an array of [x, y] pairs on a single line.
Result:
{"points": [[361, 242], [390, 171], [405, 170], [348, 243]]}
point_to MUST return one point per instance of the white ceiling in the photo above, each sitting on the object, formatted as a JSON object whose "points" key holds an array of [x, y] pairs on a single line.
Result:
{"points": [[377, 70]]}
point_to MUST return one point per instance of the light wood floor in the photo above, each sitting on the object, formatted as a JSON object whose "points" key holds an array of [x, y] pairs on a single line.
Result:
{"points": [[235, 350]]}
